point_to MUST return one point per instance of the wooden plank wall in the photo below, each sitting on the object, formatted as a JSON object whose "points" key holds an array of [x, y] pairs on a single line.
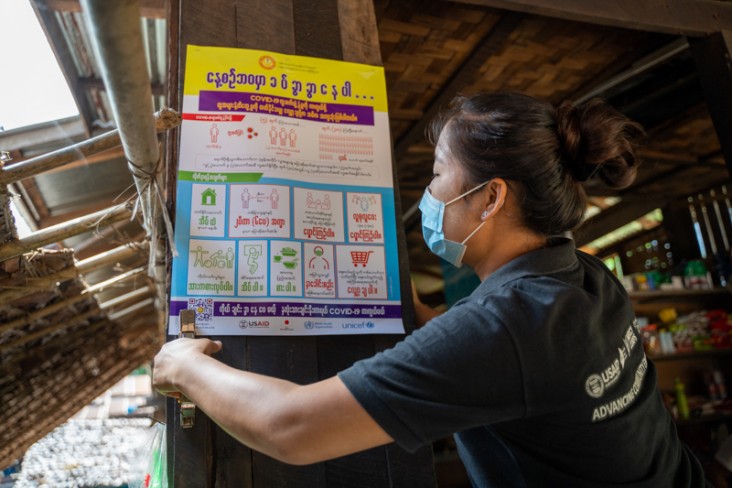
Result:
{"points": [[205, 456]]}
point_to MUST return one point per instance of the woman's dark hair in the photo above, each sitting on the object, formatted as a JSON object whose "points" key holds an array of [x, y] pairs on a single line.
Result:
{"points": [[547, 151]]}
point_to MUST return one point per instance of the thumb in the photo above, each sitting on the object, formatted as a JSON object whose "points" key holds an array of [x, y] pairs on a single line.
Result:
{"points": [[212, 347]]}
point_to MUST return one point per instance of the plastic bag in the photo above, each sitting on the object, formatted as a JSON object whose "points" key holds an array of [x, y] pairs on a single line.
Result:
{"points": [[153, 466]]}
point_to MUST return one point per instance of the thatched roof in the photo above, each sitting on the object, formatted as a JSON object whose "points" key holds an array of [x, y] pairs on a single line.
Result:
{"points": [[58, 348]]}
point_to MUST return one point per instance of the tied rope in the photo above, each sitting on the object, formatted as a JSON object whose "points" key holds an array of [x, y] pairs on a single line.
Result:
{"points": [[149, 185]]}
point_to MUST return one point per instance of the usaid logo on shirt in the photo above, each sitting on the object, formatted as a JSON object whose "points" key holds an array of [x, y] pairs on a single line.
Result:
{"points": [[596, 384]]}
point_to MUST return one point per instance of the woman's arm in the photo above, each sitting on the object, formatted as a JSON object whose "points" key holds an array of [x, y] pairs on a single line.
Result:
{"points": [[289, 422], [424, 313]]}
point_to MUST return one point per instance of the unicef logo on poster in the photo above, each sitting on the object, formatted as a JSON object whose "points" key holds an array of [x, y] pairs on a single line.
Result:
{"points": [[309, 324], [370, 325]]}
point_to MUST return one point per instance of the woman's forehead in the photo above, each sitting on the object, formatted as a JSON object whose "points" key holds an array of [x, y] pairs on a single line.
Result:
{"points": [[442, 150]]}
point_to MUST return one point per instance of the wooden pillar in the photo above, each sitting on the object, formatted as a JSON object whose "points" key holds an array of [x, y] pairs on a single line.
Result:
{"points": [[712, 55], [205, 456]]}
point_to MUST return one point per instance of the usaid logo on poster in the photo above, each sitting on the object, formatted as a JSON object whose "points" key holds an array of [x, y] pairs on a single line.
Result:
{"points": [[244, 324]]}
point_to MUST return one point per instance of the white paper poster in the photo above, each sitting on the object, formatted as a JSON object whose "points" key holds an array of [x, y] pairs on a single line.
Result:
{"points": [[285, 220]]}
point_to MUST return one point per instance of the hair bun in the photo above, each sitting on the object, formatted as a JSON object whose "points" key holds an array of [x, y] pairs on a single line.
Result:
{"points": [[597, 140]]}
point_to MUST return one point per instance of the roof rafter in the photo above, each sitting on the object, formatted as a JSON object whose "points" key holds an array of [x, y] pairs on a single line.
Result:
{"points": [[685, 17]]}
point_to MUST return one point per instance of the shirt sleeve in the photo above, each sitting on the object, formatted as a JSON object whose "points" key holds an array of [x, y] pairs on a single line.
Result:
{"points": [[459, 371]]}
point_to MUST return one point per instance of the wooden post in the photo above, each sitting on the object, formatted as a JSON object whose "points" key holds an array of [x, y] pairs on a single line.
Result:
{"points": [[712, 56], [205, 456]]}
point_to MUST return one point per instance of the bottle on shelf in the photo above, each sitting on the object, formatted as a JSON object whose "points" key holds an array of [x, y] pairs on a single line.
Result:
{"points": [[682, 404], [719, 383]]}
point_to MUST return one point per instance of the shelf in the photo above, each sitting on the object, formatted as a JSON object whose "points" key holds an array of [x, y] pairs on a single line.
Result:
{"points": [[690, 355], [685, 293]]}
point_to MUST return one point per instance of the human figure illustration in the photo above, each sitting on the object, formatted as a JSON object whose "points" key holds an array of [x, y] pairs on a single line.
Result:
{"points": [[274, 197], [229, 258], [245, 197], [214, 133], [293, 137], [253, 253], [326, 202], [283, 136], [318, 260], [309, 201], [273, 135], [216, 260], [200, 253]]}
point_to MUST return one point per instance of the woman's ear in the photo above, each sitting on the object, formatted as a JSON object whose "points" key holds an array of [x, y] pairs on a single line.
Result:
{"points": [[496, 191]]}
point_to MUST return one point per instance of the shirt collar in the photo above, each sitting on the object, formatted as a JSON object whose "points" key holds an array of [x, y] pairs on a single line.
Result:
{"points": [[557, 256]]}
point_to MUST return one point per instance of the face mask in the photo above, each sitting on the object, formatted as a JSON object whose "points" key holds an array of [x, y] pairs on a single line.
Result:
{"points": [[433, 213]]}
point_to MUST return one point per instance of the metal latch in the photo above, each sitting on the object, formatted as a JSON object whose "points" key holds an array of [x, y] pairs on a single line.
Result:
{"points": [[188, 330]]}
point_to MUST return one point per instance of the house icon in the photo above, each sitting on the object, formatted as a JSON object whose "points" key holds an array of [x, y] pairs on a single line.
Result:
{"points": [[208, 197]]}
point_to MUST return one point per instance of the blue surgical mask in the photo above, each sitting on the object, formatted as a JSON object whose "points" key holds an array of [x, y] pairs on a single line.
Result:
{"points": [[433, 213]]}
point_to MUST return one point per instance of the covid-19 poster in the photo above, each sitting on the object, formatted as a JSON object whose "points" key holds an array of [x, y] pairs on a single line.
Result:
{"points": [[285, 220]]}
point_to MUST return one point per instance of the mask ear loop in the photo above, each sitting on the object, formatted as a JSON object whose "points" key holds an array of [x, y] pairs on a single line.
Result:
{"points": [[467, 193], [473, 233]]}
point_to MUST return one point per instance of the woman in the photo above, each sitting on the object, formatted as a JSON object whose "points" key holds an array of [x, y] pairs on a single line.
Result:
{"points": [[540, 373]]}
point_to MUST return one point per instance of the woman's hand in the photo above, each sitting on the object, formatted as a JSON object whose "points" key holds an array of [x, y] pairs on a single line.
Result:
{"points": [[170, 362], [289, 422]]}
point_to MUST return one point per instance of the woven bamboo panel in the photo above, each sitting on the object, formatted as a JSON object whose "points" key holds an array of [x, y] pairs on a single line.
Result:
{"points": [[551, 59], [60, 379], [422, 45], [53, 365], [692, 136]]}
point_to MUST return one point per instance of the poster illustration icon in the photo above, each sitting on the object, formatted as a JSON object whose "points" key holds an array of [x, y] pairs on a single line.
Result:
{"points": [[208, 197], [360, 257], [286, 257], [252, 252]]}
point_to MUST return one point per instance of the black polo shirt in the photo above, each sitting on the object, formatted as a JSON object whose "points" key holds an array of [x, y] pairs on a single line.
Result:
{"points": [[541, 375]]}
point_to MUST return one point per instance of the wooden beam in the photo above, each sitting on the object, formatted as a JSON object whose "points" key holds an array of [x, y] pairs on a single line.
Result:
{"points": [[102, 157], [712, 56], [152, 9], [94, 82], [63, 231], [623, 69], [464, 76], [104, 239], [33, 199], [75, 214], [679, 17], [165, 119], [615, 217], [193, 453]]}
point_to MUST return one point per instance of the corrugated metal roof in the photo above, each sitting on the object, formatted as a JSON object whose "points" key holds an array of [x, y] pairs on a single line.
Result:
{"points": [[76, 38]]}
